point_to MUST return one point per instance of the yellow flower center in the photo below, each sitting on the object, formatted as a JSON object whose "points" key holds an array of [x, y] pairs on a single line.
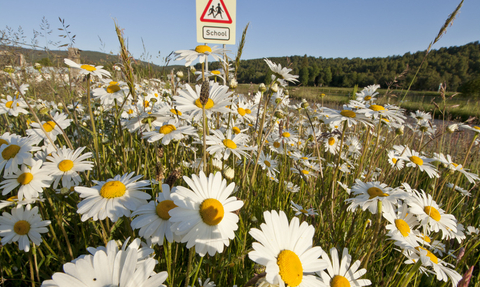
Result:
{"points": [[88, 68], [9, 104], [216, 73], [426, 238], [164, 207], [236, 130], [331, 141], [429, 254], [267, 163], [286, 134], [21, 227], [432, 212], [368, 98], [291, 269], [416, 160], [113, 88], [49, 126], [305, 171], [348, 113], [166, 129], [377, 108], [12, 198], [211, 211], [475, 127], [403, 227], [375, 191], [146, 103], [241, 111], [176, 112], [276, 144], [304, 157], [2, 142], [339, 281], [65, 165], [394, 160], [130, 111], [248, 111], [203, 49], [25, 178], [208, 106], [112, 189], [229, 143], [10, 151]]}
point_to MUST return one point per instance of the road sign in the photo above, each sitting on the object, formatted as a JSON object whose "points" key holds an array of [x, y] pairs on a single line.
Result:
{"points": [[216, 21]]}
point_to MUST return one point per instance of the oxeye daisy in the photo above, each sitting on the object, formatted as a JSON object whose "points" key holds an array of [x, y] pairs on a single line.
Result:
{"points": [[401, 227], [31, 181], [204, 216], [281, 73], [65, 164], [88, 69], [474, 128], [339, 272], [368, 93], [300, 210], [431, 216], [368, 194], [201, 52], [169, 131], [110, 92], [266, 162], [52, 128], [188, 100], [13, 106], [153, 218], [109, 266], [285, 249], [113, 198], [441, 269], [414, 159], [349, 115], [21, 226], [222, 145], [18, 151], [13, 200], [395, 161], [332, 144]]}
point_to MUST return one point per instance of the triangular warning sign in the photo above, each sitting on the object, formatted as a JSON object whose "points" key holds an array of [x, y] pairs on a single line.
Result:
{"points": [[216, 12]]}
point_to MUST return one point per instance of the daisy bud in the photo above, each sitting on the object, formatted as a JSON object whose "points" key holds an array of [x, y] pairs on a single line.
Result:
{"points": [[262, 88], [44, 111], [153, 100], [274, 88], [452, 128], [192, 69], [180, 74], [38, 67], [278, 114], [322, 95], [217, 164], [233, 84], [304, 104], [286, 92], [204, 93], [229, 173], [8, 69], [399, 131]]}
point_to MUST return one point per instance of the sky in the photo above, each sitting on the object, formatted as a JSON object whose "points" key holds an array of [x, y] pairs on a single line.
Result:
{"points": [[328, 29]]}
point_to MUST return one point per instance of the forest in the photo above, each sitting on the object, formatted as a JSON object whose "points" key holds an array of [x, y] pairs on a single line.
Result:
{"points": [[457, 67]]}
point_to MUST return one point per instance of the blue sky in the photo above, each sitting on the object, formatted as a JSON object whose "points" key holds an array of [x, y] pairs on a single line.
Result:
{"points": [[328, 29]]}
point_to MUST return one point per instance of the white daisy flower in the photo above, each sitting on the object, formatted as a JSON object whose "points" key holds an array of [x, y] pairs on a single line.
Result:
{"points": [[65, 164], [153, 218], [201, 52], [52, 128], [17, 152], [112, 91], [401, 227], [31, 181], [368, 93], [21, 226], [300, 210], [113, 198], [414, 159], [441, 269], [285, 249], [109, 266], [431, 216], [13, 106], [266, 162], [169, 131], [204, 215], [222, 146], [188, 101], [88, 69], [339, 271], [281, 73], [368, 194]]}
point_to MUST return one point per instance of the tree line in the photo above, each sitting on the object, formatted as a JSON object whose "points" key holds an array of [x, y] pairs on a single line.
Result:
{"points": [[458, 67]]}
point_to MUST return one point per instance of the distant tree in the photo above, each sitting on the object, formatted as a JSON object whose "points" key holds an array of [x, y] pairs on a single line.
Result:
{"points": [[46, 62], [327, 77]]}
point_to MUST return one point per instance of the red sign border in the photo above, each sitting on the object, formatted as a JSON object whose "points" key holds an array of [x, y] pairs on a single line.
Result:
{"points": [[202, 18]]}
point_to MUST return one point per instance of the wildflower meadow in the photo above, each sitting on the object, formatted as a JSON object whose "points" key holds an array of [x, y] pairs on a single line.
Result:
{"points": [[122, 180]]}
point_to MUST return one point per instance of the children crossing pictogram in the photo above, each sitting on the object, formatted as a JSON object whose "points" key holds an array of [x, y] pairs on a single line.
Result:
{"points": [[216, 12]]}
